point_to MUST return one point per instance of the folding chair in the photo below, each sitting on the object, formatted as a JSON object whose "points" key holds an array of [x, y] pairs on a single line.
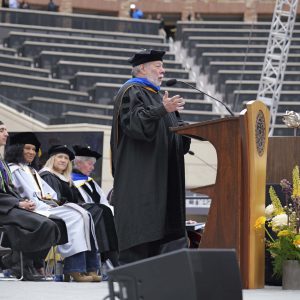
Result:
{"points": [[52, 260]]}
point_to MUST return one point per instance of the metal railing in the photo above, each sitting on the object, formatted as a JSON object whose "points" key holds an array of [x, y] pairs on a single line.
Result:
{"points": [[25, 110]]}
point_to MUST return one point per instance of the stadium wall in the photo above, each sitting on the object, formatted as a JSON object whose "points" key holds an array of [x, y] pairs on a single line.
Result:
{"points": [[247, 10]]}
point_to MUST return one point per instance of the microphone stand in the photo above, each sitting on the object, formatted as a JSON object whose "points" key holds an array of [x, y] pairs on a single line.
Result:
{"points": [[227, 108], [192, 153]]}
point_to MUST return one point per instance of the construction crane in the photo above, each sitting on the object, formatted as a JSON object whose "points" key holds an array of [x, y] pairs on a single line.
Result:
{"points": [[276, 57]]}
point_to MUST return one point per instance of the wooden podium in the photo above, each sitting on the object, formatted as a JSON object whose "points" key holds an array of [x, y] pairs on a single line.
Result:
{"points": [[238, 196]]}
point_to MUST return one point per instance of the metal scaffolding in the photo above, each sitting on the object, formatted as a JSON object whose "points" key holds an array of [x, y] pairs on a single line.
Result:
{"points": [[277, 55]]}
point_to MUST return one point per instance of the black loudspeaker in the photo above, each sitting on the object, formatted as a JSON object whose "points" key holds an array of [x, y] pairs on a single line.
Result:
{"points": [[187, 274]]}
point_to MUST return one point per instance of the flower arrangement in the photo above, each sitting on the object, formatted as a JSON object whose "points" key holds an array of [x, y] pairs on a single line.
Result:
{"points": [[284, 220]]}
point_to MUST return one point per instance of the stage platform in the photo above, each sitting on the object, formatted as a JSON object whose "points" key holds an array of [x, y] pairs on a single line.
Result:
{"points": [[13, 290]]}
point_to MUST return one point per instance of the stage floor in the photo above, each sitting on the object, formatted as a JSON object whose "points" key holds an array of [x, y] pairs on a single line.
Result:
{"points": [[12, 290]]}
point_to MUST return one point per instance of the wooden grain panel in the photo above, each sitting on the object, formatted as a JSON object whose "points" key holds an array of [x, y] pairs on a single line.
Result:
{"points": [[238, 193], [222, 228], [283, 155], [253, 246]]}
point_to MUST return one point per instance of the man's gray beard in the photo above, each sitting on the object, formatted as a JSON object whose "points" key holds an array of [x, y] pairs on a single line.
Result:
{"points": [[158, 83]]}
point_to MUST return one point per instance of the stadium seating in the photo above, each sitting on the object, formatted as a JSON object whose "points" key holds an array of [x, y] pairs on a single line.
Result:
{"points": [[56, 107], [13, 68], [7, 51], [66, 69], [16, 39], [82, 80], [104, 92], [21, 92], [20, 61], [284, 106], [78, 117], [51, 63], [235, 85], [47, 59], [73, 74], [6, 28], [34, 80], [32, 49], [285, 95], [231, 54], [242, 68]]}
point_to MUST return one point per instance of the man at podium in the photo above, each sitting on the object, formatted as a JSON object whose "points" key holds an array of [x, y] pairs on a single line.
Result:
{"points": [[148, 163]]}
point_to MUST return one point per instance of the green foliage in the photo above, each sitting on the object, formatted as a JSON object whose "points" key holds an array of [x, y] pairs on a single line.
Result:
{"points": [[285, 223], [282, 249]]}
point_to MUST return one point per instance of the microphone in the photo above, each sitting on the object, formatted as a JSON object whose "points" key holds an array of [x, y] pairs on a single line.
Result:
{"points": [[173, 81]]}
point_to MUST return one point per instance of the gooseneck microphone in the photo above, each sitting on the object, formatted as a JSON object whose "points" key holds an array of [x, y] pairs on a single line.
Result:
{"points": [[173, 81]]}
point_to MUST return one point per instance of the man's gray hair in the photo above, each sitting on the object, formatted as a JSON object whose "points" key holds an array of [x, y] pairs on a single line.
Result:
{"points": [[136, 71], [83, 159]]}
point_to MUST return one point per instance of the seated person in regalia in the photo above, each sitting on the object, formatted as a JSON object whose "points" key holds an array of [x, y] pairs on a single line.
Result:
{"points": [[80, 252], [92, 195], [25, 230]]}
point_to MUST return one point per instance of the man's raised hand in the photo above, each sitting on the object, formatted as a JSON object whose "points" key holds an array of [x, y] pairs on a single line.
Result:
{"points": [[174, 103]]}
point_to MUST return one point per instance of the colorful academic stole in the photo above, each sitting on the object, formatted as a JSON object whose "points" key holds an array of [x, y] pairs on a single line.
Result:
{"points": [[5, 176]]}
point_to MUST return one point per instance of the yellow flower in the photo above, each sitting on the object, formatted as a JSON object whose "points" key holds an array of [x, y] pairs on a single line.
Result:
{"points": [[260, 222], [284, 233], [296, 241], [296, 182], [283, 241], [278, 209]]}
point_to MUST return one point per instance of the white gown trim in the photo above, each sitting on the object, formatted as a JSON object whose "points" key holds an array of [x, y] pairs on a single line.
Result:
{"points": [[85, 195], [78, 221]]}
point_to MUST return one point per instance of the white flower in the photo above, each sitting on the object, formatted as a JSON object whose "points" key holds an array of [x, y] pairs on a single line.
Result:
{"points": [[279, 221], [269, 211]]}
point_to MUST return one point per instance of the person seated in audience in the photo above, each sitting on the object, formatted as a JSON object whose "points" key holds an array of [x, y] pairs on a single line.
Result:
{"points": [[80, 256], [29, 232], [57, 173], [92, 194]]}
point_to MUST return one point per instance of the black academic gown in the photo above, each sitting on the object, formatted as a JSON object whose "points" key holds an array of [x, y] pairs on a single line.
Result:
{"points": [[148, 169], [26, 231], [101, 215]]}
